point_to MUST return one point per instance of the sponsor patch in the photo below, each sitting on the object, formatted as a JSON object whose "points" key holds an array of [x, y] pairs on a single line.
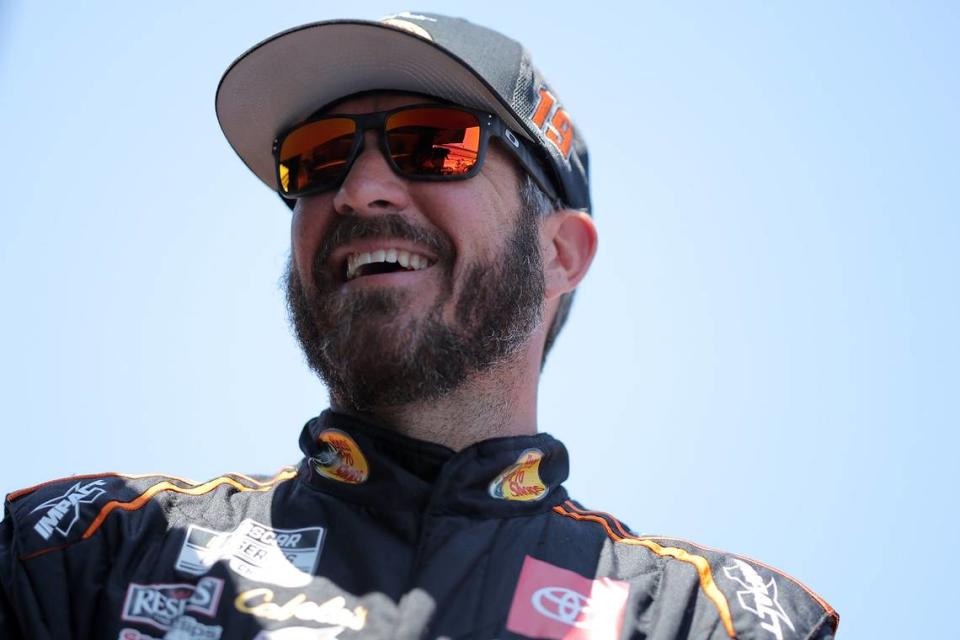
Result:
{"points": [[261, 603], [521, 480], [759, 597], [340, 458], [183, 628], [299, 633], [187, 628], [133, 634], [402, 21], [285, 557], [555, 603], [408, 26], [160, 605], [60, 514]]}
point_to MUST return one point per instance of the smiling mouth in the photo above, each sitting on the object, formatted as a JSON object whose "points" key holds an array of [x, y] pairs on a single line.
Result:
{"points": [[387, 260]]}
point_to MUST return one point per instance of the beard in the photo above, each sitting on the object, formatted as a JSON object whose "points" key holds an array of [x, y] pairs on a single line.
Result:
{"points": [[369, 356]]}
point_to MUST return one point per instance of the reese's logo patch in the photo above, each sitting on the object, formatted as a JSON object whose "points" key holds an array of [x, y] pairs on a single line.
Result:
{"points": [[162, 605]]}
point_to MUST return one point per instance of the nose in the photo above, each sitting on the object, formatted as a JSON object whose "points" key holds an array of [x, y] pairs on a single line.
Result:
{"points": [[371, 187]]}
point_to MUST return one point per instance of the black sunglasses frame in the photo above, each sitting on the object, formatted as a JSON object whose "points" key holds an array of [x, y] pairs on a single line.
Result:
{"points": [[490, 126]]}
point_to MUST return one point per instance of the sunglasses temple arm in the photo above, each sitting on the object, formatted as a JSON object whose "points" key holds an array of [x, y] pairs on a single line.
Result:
{"points": [[531, 164]]}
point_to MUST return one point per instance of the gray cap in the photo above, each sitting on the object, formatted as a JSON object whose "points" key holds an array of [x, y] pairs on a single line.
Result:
{"points": [[287, 77]]}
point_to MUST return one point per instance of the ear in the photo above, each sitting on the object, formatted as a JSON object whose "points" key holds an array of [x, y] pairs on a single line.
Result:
{"points": [[568, 240]]}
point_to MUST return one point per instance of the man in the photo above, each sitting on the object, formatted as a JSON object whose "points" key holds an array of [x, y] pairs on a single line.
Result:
{"points": [[440, 226]]}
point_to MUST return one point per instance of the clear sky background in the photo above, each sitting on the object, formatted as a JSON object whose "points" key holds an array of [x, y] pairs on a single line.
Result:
{"points": [[764, 357]]}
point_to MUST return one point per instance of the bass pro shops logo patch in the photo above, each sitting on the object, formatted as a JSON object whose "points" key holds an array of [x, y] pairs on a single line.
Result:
{"points": [[521, 480], [63, 512], [340, 458], [759, 597], [559, 604]]}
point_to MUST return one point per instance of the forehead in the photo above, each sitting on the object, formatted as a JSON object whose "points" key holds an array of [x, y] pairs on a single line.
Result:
{"points": [[372, 101]]}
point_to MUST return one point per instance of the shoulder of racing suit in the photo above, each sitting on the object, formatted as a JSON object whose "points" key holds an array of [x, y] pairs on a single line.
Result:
{"points": [[745, 597], [60, 513], [106, 517]]}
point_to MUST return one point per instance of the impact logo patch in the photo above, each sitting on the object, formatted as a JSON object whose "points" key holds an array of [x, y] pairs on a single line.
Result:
{"points": [[759, 597], [521, 480], [285, 557], [340, 458], [63, 512], [559, 604]]}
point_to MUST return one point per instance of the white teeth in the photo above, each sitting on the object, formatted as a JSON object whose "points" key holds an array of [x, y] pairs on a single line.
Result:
{"points": [[405, 259]]}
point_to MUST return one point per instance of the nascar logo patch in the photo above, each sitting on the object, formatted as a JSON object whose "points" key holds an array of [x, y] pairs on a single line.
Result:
{"points": [[284, 557]]}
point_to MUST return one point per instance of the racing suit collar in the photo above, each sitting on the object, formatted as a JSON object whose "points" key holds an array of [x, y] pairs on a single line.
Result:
{"points": [[369, 464]]}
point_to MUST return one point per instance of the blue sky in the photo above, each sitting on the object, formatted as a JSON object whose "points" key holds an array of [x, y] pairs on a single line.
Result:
{"points": [[764, 357]]}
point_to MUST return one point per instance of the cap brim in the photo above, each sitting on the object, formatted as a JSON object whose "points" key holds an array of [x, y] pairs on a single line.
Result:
{"points": [[284, 79]]}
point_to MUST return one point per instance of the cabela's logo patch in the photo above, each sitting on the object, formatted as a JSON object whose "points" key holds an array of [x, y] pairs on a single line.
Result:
{"points": [[285, 557], [340, 458], [334, 612], [521, 480], [63, 512]]}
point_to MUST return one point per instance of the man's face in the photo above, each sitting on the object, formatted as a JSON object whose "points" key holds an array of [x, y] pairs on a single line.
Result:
{"points": [[470, 293]]}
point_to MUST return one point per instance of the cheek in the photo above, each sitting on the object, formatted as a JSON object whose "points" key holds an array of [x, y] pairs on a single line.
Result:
{"points": [[306, 231], [475, 217], [299, 244]]}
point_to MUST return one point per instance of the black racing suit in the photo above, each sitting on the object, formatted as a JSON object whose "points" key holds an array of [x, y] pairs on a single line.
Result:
{"points": [[373, 535]]}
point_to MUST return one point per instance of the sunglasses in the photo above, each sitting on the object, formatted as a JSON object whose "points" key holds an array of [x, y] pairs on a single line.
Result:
{"points": [[420, 142]]}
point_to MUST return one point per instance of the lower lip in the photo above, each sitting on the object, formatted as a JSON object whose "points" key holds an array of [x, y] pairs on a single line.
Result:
{"points": [[392, 279]]}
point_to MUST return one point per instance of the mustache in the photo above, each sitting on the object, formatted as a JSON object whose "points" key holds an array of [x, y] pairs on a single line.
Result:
{"points": [[349, 227]]}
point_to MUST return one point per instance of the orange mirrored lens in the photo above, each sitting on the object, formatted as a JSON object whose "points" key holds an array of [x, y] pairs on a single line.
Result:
{"points": [[433, 141], [316, 154]]}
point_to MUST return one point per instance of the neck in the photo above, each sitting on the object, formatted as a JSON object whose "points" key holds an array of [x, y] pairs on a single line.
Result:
{"points": [[501, 401]]}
